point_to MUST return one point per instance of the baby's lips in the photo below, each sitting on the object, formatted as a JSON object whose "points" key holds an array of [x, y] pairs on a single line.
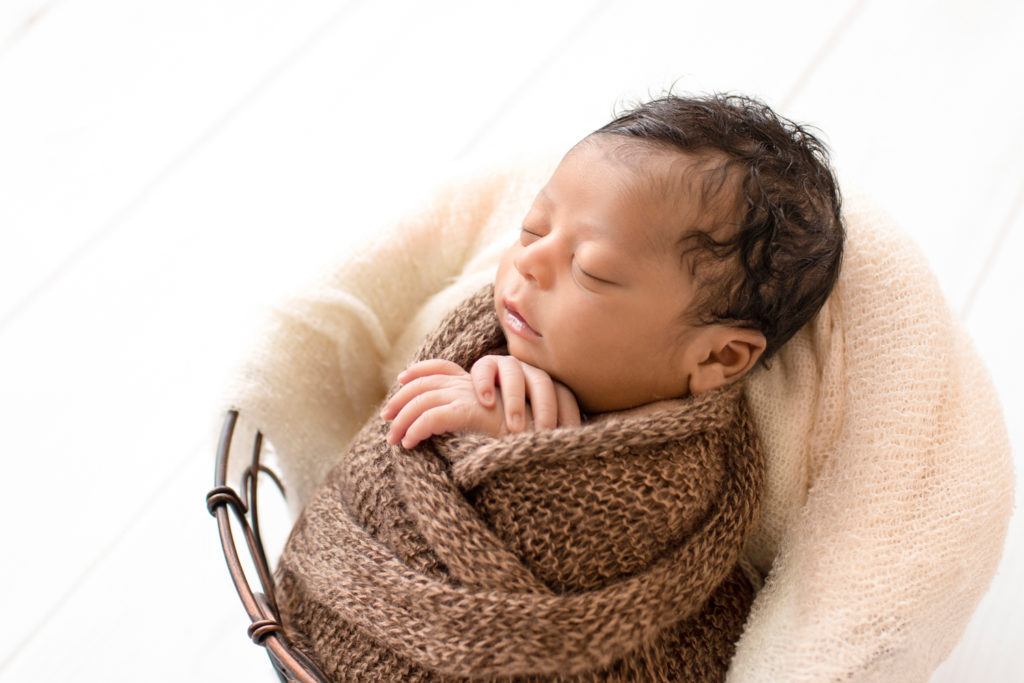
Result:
{"points": [[513, 311]]}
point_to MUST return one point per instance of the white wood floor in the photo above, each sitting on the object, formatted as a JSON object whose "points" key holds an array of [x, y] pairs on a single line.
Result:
{"points": [[168, 168]]}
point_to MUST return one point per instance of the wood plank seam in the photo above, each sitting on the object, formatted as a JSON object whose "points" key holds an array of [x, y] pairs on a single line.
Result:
{"points": [[533, 77], [119, 217], [19, 33], [819, 57], [995, 250]]}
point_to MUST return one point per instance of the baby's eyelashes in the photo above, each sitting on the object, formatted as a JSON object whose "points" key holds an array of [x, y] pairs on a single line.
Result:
{"points": [[528, 236], [589, 276]]}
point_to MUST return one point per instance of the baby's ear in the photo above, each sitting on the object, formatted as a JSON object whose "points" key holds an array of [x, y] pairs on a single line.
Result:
{"points": [[729, 353]]}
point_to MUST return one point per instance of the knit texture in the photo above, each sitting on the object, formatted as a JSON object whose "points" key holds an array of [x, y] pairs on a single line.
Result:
{"points": [[889, 482], [602, 552]]}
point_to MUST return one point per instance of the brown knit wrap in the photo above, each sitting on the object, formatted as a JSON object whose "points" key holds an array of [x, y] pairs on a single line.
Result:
{"points": [[602, 552]]}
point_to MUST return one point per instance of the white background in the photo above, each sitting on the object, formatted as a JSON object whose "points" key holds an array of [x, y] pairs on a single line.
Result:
{"points": [[168, 168]]}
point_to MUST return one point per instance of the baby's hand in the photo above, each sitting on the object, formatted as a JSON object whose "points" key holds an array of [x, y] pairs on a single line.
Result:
{"points": [[438, 398], [552, 404]]}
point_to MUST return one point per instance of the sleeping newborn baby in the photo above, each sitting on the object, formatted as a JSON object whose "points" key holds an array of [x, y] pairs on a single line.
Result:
{"points": [[560, 486]]}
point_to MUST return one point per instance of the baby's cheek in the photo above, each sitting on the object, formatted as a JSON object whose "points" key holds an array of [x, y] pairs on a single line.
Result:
{"points": [[506, 262]]}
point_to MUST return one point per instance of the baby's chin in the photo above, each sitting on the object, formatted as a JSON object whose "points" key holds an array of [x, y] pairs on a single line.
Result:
{"points": [[528, 355], [521, 351]]}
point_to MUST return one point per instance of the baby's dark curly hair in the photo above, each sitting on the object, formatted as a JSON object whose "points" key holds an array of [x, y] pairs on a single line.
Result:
{"points": [[775, 269]]}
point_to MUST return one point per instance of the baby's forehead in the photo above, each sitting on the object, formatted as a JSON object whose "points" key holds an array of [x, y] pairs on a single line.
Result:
{"points": [[684, 176], [690, 190]]}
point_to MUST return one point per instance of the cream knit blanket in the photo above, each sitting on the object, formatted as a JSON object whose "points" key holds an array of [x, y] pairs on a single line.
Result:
{"points": [[889, 485]]}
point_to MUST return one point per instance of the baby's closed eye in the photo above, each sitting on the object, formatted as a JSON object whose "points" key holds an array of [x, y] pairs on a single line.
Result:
{"points": [[590, 276]]}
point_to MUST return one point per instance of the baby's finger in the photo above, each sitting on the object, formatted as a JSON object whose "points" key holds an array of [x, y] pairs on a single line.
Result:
{"points": [[485, 375], [417, 403], [543, 401], [414, 388], [568, 407], [437, 420], [431, 366], [409, 391], [513, 392]]}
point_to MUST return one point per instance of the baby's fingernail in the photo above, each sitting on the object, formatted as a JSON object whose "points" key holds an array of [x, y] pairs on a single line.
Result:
{"points": [[517, 422], [487, 396]]}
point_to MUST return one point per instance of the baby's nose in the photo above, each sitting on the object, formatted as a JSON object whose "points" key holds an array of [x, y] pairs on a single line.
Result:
{"points": [[534, 262]]}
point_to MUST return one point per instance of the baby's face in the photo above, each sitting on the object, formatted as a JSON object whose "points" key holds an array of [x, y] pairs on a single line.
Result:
{"points": [[594, 290]]}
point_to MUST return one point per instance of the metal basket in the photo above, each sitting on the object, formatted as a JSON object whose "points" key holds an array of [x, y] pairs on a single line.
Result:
{"points": [[265, 628]]}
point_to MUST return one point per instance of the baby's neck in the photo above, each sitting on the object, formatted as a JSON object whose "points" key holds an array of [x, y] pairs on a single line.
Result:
{"points": [[635, 411]]}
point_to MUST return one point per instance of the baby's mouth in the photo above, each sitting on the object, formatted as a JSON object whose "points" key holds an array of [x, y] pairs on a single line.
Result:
{"points": [[517, 323]]}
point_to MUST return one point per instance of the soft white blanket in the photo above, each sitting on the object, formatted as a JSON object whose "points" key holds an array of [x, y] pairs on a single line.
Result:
{"points": [[890, 483]]}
